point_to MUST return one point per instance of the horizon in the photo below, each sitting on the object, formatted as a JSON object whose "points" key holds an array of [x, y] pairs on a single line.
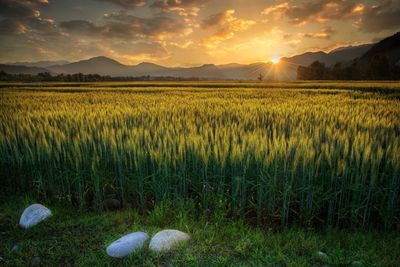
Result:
{"points": [[271, 61], [188, 33]]}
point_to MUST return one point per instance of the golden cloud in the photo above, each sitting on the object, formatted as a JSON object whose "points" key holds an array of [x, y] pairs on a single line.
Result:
{"points": [[320, 11], [227, 25]]}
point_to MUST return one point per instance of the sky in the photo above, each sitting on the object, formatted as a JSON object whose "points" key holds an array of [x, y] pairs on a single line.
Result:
{"points": [[188, 32]]}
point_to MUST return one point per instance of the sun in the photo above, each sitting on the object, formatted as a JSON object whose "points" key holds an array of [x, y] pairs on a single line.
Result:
{"points": [[275, 59]]}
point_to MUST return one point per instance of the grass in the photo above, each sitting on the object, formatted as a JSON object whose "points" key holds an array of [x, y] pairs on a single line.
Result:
{"points": [[282, 154], [258, 174], [79, 238]]}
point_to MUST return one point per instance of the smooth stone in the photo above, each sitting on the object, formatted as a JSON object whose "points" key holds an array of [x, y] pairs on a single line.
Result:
{"points": [[356, 264], [166, 239], [127, 244], [34, 214], [322, 255]]}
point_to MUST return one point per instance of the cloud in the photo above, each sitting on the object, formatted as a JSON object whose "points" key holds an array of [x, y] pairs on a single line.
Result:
{"points": [[325, 33], [315, 11], [276, 9], [226, 24], [168, 4], [218, 37], [20, 8], [376, 18], [23, 17], [128, 27], [81, 27], [158, 28], [12, 27], [137, 51], [126, 3]]}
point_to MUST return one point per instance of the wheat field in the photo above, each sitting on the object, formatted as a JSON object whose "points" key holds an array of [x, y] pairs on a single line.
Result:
{"points": [[306, 154]]}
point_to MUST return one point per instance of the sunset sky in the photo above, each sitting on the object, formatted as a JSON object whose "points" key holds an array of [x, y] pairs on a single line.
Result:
{"points": [[187, 32]]}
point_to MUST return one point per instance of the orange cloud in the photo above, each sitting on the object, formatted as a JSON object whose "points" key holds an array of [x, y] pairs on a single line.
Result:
{"points": [[227, 25], [320, 11], [325, 33]]}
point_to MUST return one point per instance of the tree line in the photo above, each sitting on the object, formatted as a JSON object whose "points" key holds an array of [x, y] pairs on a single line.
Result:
{"points": [[377, 68], [80, 77]]}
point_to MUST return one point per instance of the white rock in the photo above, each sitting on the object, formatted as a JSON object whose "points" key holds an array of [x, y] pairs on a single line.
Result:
{"points": [[33, 215], [322, 255], [166, 239], [126, 244]]}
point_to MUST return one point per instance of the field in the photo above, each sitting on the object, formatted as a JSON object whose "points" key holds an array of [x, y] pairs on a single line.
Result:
{"points": [[320, 155], [272, 155]]}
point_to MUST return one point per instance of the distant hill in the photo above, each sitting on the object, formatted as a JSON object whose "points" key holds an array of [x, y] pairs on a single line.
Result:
{"points": [[40, 64], [338, 55], [16, 69], [97, 65], [286, 70], [146, 68], [388, 47], [379, 62]]}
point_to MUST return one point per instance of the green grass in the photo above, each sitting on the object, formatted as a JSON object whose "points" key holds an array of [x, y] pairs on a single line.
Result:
{"points": [[79, 238], [310, 154]]}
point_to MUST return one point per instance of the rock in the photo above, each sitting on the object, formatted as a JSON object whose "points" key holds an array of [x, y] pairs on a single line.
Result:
{"points": [[166, 239], [36, 261], [356, 264], [34, 214], [1, 259], [322, 255], [127, 244], [111, 204], [15, 248]]}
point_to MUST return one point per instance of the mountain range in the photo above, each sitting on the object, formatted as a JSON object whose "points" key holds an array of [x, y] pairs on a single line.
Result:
{"points": [[284, 71]]}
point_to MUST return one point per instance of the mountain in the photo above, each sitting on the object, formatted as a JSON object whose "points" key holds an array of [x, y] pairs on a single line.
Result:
{"points": [[146, 68], [286, 70], [338, 55], [107, 66], [16, 69], [97, 65], [40, 64], [206, 71], [379, 62], [388, 47]]}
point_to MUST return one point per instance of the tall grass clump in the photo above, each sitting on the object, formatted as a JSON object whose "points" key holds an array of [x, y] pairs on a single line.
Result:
{"points": [[274, 156]]}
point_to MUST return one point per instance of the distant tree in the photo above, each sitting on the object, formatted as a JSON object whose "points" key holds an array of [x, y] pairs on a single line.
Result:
{"points": [[319, 70], [336, 72], [260, 77], [378, 68], [316, 71]]}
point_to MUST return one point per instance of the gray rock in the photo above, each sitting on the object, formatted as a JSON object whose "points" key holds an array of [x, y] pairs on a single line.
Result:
{"points": [[1, 259], [34, 214], [322, 255], [166, 239], [356, 264], [36, 261], [127, 244], [15, 248]]}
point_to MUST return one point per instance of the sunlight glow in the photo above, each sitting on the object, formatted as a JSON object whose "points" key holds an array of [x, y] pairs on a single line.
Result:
{"points": [[275, 59]]}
